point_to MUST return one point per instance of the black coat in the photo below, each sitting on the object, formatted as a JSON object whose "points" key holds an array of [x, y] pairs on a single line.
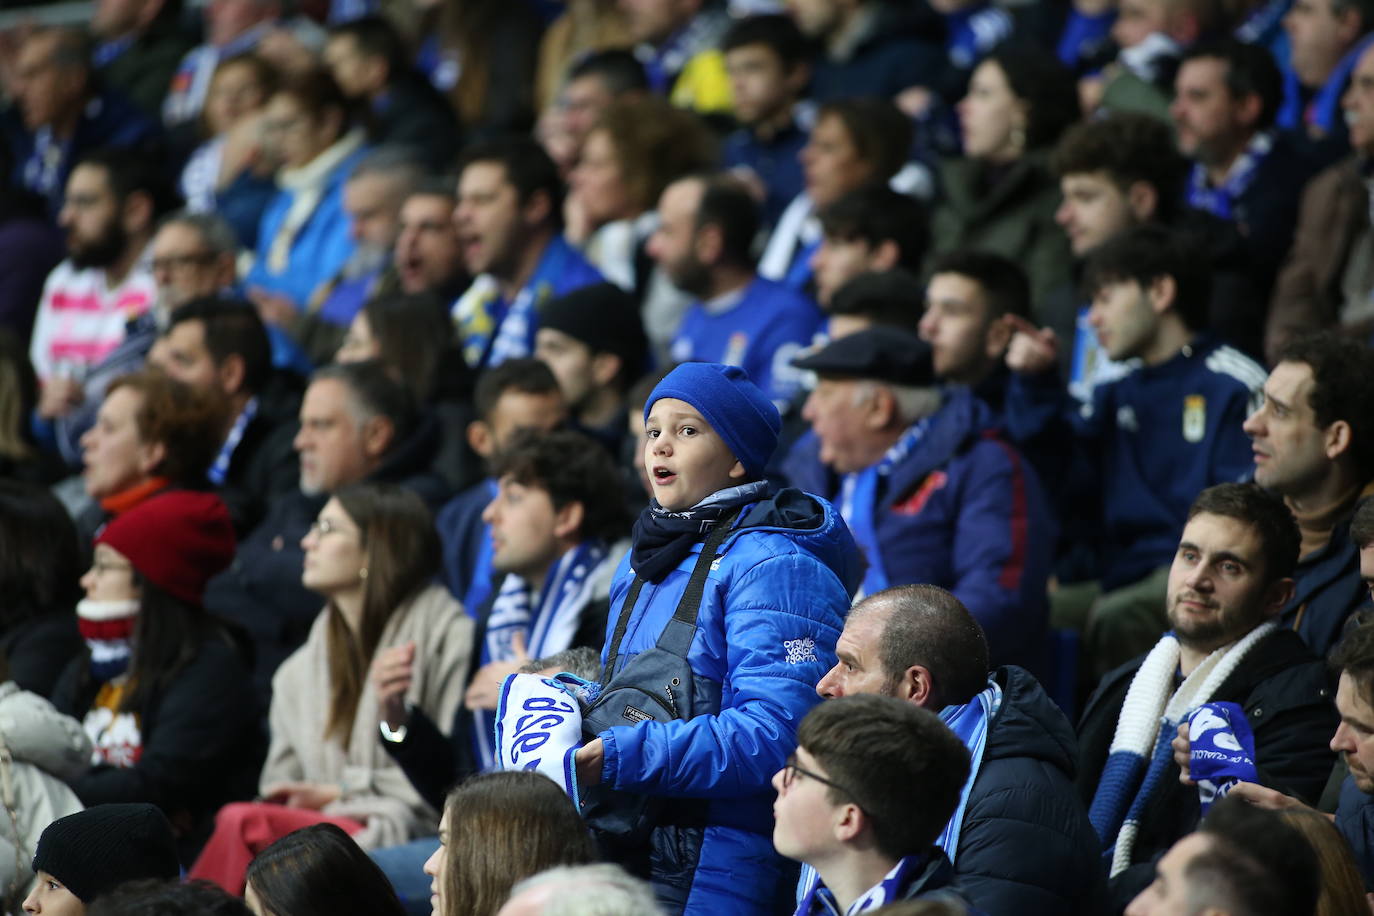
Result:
{"points": [[264, 465], [39, 649], [1286, 693], [1027, 846], [202, 742]]}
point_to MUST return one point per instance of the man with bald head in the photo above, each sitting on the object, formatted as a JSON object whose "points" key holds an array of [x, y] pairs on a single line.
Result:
{"points": [[1020, 840]]}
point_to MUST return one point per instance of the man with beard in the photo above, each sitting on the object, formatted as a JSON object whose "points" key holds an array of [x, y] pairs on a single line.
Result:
{"points": [[114, 199], [706, 229], [372, 200], [1230, 578], [509, 217]]}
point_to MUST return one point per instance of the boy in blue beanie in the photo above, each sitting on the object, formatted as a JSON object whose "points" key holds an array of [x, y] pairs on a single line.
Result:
{"points": [[770, 611]]}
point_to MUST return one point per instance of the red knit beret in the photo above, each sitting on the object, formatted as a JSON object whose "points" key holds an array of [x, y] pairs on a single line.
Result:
{"points": [[177, 540]]}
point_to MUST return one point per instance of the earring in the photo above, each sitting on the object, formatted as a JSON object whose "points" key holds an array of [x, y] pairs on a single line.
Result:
{"points": [[362, 573]]}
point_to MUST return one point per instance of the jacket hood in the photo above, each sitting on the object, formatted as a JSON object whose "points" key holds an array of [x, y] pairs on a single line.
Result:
{"points": [[1029, 724], [813, 525], [410, 462]]}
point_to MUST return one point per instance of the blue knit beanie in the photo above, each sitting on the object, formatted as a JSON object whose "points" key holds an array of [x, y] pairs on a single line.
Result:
{"points": [[737, 410]]}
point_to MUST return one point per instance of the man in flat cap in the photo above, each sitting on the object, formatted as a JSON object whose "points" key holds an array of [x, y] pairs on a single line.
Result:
{"points": [[933, 494]]}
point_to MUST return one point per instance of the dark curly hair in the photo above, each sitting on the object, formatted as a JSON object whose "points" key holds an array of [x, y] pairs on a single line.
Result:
{"points": [[1129, 147], [573, 469]]}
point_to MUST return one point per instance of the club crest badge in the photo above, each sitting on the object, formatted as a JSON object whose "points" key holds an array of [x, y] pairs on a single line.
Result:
{"points": [[1194, 417]]}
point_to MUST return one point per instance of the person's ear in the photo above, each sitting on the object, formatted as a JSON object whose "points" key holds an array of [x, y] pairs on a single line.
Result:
{"points": [[231, 373], [797, 78], [605, 367], [737, 472], [567, 522], [377, 432], [916, 686], [1162, 292], [538, 209], [997, 338], [153, 454], [137, 213], [885, 256], [1277, 596], [1337, 439], [708, 242], [880, 409], [850, 822], [1142, 199], [480, 438]]}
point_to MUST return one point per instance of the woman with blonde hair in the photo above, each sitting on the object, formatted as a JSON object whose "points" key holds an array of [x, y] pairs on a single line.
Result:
{"points": [[498, 828], [373, 554]]}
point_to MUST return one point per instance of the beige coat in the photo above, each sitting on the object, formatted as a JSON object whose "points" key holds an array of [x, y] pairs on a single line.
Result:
{"points": [[375, 790]]}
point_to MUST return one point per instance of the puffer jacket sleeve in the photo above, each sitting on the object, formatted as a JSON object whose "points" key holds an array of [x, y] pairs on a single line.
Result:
{"points": [[36, 733], [783, 617], [1027, 847]]}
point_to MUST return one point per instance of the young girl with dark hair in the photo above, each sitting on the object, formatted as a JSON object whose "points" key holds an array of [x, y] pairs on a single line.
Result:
{"points": [[161, 689]]}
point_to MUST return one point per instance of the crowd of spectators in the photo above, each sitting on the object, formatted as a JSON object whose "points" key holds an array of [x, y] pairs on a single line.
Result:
{"points": [[643, 457]]}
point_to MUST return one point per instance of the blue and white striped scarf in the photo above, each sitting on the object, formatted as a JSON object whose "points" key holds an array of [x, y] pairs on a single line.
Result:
{"points": [[970, 722], [548, 627], [1141, 748]]}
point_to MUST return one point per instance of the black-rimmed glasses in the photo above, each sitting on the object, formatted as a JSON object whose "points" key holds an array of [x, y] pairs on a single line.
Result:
{"points": [[791, 770]]}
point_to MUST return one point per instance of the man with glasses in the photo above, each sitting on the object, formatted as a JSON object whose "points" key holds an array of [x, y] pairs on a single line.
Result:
{"points": [[862, 802]]}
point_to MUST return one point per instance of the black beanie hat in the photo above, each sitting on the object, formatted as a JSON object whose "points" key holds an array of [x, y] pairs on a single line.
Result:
{"points": [[605, 318], [96, 850]]}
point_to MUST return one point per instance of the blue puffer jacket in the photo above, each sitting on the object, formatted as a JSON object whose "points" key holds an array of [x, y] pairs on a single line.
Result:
{"points": [[772, 610]]}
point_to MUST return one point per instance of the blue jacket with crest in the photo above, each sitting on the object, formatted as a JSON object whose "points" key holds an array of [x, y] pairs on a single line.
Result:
{"points": [[773, 607]]}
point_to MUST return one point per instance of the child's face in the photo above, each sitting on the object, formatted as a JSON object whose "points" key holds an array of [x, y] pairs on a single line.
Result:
{"points": [[759, 82], [50, 898], [685, 459]]}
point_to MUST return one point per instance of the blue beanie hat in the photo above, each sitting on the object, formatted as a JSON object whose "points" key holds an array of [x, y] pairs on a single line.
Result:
{"points": [[737, 410]]}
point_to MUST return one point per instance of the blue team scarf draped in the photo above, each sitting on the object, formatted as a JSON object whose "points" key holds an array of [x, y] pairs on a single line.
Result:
{"points": [[220, 469], [662, 539], [970, 722], [548, 627], [1325, 105], [859, 499], [479, 586], [973, 33], [1142, 746], [1220, 201], [493, 330], [818, 900]]}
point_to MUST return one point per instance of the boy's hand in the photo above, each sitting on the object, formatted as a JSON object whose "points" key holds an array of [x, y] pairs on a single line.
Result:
{"points": [[589, 759], [1032, 350]]}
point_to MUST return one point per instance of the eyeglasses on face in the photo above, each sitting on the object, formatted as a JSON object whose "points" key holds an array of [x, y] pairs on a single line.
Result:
{"points": [[791, 770]]}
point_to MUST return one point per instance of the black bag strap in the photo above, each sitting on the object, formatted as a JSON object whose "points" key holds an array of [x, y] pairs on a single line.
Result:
{"points": [[688, 607]]}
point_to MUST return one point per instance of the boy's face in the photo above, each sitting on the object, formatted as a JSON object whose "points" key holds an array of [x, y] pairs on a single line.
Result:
{"points": [[684, 457], [804, 814], [1123, 318], [761, 84], [50, 898], [1093, 210]]}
